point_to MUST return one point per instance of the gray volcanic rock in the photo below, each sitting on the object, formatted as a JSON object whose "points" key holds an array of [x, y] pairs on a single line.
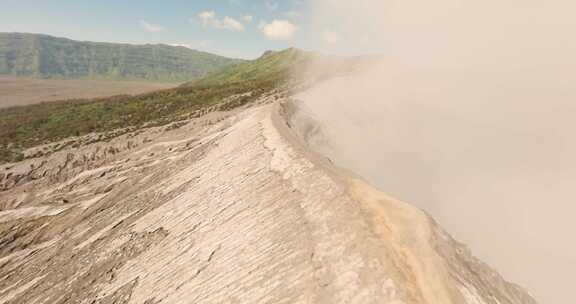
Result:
{"points": [[230, 208]]}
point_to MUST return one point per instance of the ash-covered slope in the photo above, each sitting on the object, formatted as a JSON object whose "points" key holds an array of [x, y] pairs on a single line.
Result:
{"points": [[229, 208]]}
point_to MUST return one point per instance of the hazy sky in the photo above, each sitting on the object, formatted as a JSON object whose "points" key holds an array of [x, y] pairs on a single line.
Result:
{"points": [[238, 28]]}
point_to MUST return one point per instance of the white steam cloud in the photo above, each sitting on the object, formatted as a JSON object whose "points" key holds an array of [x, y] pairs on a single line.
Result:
{"points": [[469, 114], [330, 37]]}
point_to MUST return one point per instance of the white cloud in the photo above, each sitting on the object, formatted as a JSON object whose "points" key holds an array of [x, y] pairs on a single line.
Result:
{"points": [[209, 19], [248, 18], [330, 37], [186, 45], [278, 29], [206, 17], [232, 24], [149, 27]]}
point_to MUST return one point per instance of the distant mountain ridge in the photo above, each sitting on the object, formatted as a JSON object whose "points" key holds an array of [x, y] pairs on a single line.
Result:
{"points": [[271, 65], [231, 87], [43, 56]]}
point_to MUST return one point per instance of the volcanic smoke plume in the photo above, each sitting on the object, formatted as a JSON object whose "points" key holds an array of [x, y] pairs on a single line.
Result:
{"points": [[469, 114]]}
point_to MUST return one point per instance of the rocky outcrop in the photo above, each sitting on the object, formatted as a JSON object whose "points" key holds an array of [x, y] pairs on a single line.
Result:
{"points": [[236, 211]]}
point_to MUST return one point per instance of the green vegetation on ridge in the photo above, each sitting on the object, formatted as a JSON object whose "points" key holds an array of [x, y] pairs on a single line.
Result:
{"points": [[29, 126], [44, 56], [270, 65]]}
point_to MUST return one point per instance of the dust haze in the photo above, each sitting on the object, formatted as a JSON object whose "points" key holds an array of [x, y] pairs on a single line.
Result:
{"points": [[468, 114]]}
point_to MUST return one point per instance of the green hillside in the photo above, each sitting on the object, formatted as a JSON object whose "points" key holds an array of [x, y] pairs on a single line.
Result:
{"points": [[28, 126], [44, 56], [290, 64], [269, 66]]}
